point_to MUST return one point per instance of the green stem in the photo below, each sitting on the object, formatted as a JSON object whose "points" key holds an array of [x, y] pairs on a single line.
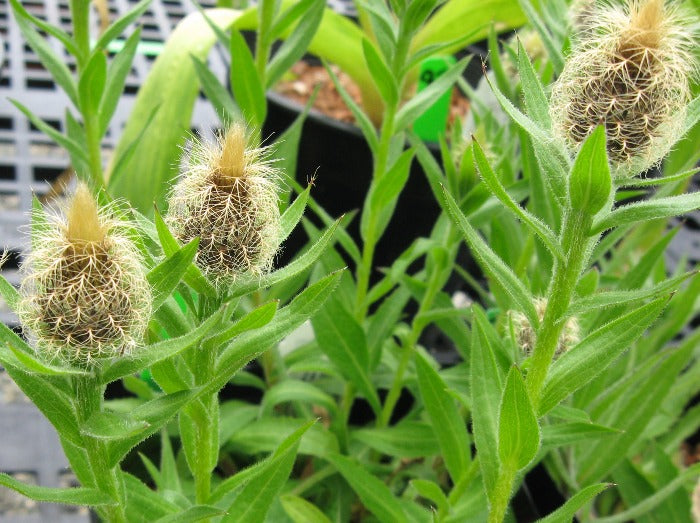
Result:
{"points": [[262, 40], [575, 243], [80, 14], [364, 270], [88, 395], [501, 493], [395, 391]]}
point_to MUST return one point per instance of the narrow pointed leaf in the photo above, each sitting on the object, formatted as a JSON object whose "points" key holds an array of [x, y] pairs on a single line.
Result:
{"points": [[301, 511], [71, 496], [165, 276], [567, 512], [216, 92], [247, 89], [518, 431]]}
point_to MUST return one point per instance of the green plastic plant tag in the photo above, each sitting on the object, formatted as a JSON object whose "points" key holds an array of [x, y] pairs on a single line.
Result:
{"points": [[431, 124]]}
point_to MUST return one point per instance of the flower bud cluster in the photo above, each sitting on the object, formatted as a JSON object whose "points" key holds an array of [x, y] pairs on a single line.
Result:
{"points": [[85, 294], [227, 197], [525, 335], [629, 70]]}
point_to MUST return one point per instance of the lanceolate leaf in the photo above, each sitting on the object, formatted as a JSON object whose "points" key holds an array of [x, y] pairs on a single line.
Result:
{"points": [[594, 353], [518, 431], [447, 423], [254, 501], [490, 261], [302, 511], [373, 492], [165, 276], [71, 496], [247, 87], [216, 93], [567, 511], [342, 339], [535, 99], [411, 439], [648, 210]]}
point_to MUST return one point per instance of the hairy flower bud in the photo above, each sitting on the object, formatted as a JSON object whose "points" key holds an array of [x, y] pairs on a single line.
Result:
{"points": [[526, 337], [228, 198], [629, 70], [85, 294]]}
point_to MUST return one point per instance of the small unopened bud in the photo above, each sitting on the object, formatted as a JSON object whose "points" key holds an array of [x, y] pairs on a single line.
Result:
{"points": [[227, 197], [630, 71], [526, 337], [85, 294]]}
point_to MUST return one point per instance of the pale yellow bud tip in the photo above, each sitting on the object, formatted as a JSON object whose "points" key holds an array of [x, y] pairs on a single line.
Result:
{"points": [[83, 223], [646, 24], [231, 163]]}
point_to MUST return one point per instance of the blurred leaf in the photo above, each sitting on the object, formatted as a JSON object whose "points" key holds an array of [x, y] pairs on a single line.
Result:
{"points": [[408, 439], [48, 28], [565, 434], [380, 73], [9, 294], [595, 352], [373, 492], [449, 427], [245, 82], [553, 49], [431, 491], [296, 44], [535, 98], [216, 93], [92, 83], [302, 511], [120, 25], [53, 64], [266, 434], [291, 390], [192, 514]]}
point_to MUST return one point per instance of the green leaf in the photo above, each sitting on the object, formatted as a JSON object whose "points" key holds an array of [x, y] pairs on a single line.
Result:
{"points": [[255, 319], [553, 50], [9, 294], [518, 431], [245, 82], [431, 491], [25, 358], [112, 426], [155, 413], [266, 434], [301, 511], [486, 386], [408, 439], [218, 95], [296, 44], [92, 83], [291, 216], [48, 28], [297, 266], [567, 512], [383, 194], [254, 501], [120, 25], [291, 390], [381, 75], [73, 147], [165, 276], [494, 184], [590, 182], [423, 100], [342, 339], [72, 496], [373, 493], [450, 428], [492, 264], [192, 514], [254, 343], [648, 210], [53, 64], [152, 354], [363, 121], [648, 504], [116, 77], [535, 99], [565, 434], [612, 298], [154, 160], [593, 354], [144, 505], [193, 276]]}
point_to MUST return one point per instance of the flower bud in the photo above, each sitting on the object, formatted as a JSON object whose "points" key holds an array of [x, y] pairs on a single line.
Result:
{"points": [[629, 70], [85, 295], [227, 198], [525, 335]]}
